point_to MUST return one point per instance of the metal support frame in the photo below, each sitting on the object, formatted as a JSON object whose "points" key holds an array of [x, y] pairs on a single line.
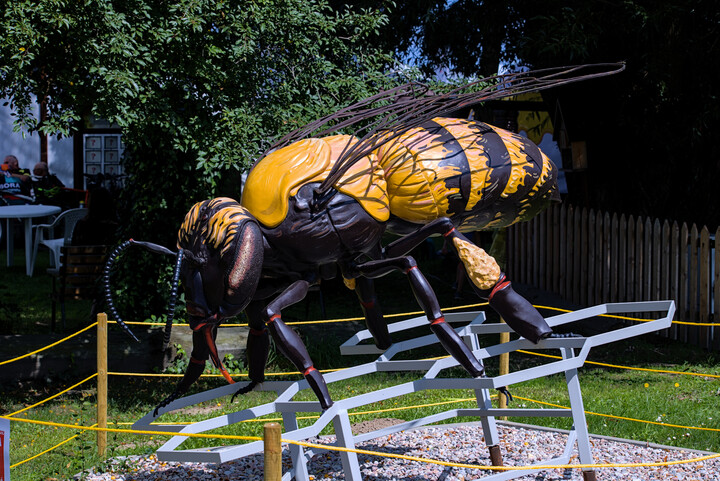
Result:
{"points": [[574, 352]]}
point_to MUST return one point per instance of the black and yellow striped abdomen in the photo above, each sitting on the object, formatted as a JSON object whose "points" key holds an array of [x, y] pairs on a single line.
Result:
{"points": [[478, 175]]}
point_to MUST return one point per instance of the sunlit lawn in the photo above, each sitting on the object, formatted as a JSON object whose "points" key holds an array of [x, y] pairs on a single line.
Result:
{"points": [[677, 399]]}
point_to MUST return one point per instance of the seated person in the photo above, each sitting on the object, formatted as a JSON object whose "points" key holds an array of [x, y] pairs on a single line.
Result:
{"points": [[47, 187], [100, 225], [14, 182]]}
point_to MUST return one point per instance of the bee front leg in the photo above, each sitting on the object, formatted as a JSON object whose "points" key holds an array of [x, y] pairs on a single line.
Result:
{"points": [[257, 348], [289, 343], [196, 366]]}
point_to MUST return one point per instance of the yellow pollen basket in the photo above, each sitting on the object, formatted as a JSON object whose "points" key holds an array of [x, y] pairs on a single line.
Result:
{"points": [[481, 268]]}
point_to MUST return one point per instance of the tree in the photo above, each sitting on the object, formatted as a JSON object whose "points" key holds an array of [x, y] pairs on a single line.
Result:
{"points": [[649, 131], [465, 37], [198, 87]]}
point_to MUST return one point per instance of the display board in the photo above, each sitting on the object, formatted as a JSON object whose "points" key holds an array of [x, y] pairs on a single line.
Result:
{"points": [[102, 153]]}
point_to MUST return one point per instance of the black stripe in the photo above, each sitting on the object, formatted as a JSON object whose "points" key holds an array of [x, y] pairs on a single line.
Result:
{"points": [[534, 155], [499, 166], [454, 157]]}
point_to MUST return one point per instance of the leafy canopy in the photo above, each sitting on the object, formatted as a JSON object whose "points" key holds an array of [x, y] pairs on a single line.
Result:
{"points": [[217, 77], [199, 87]]}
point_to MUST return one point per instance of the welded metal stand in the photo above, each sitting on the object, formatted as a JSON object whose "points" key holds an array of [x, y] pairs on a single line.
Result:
{"points": [[574, 352]]}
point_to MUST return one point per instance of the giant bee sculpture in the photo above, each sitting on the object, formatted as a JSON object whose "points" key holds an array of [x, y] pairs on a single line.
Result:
{"points": [[317, 204]]}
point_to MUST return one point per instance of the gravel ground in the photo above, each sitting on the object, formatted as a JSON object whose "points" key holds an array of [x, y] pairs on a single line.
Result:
{"points": [[460, 444]]}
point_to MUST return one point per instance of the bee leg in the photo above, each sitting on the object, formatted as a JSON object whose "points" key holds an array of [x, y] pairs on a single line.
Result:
{"points": [[490, 283], [365, 290], [427, 299], [196, 366], [289, 343], [257, 348]]}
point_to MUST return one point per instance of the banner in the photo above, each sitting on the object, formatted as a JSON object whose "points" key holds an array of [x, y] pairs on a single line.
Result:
{"points": [[4, 450]]}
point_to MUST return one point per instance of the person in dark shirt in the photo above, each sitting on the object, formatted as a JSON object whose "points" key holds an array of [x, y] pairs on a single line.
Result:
{"points": [[100, 225], [47, 187]]}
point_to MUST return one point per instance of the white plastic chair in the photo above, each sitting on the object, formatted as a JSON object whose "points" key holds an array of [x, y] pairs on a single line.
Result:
{"points": [[68, 219]]}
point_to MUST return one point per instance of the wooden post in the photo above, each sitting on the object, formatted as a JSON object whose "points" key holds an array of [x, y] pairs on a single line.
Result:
{"points": [[272, 452], [504, 367], [102, 382]]}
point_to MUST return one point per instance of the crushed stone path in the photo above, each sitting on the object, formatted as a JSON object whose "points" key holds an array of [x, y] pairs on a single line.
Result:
{"points": [[456, 443]]}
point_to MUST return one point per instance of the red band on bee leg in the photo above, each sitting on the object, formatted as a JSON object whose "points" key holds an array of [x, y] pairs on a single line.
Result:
{"points": [[439, 320], [196, 361], [274, 317], [413, 267], [214, 355], [368, 305], [257, 332], [498, 287], [309, 370], [449, 232]]}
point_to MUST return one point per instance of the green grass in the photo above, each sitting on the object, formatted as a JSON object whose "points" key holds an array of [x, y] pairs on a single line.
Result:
{"points": [[670, 398], [673, 399], [25, 302]]}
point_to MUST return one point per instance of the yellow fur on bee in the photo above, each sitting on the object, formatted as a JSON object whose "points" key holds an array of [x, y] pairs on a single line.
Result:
{"points": [[280, 175]]}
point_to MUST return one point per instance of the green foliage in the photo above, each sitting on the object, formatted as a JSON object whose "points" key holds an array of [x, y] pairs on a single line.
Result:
{"points": [[179, 364], [199, 87], [214, 79]]}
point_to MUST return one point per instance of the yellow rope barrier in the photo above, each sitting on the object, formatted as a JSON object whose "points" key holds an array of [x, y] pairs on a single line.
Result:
{"points": [[136, 431], [324, 321], [612, 416], [411, 458], [368, 412], [630, 368], [47, 450], [54, 396], [614, 316], [49, 345]]}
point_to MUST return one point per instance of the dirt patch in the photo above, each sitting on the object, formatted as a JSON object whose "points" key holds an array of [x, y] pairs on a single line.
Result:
{"points": [[151, 444], [374, 424], [200, 409]]}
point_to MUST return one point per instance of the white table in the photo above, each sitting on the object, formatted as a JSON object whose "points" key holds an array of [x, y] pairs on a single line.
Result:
{"points": [[27, 213]]}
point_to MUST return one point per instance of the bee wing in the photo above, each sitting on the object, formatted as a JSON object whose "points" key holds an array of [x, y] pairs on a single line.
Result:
{"points": [[387, 115]]}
